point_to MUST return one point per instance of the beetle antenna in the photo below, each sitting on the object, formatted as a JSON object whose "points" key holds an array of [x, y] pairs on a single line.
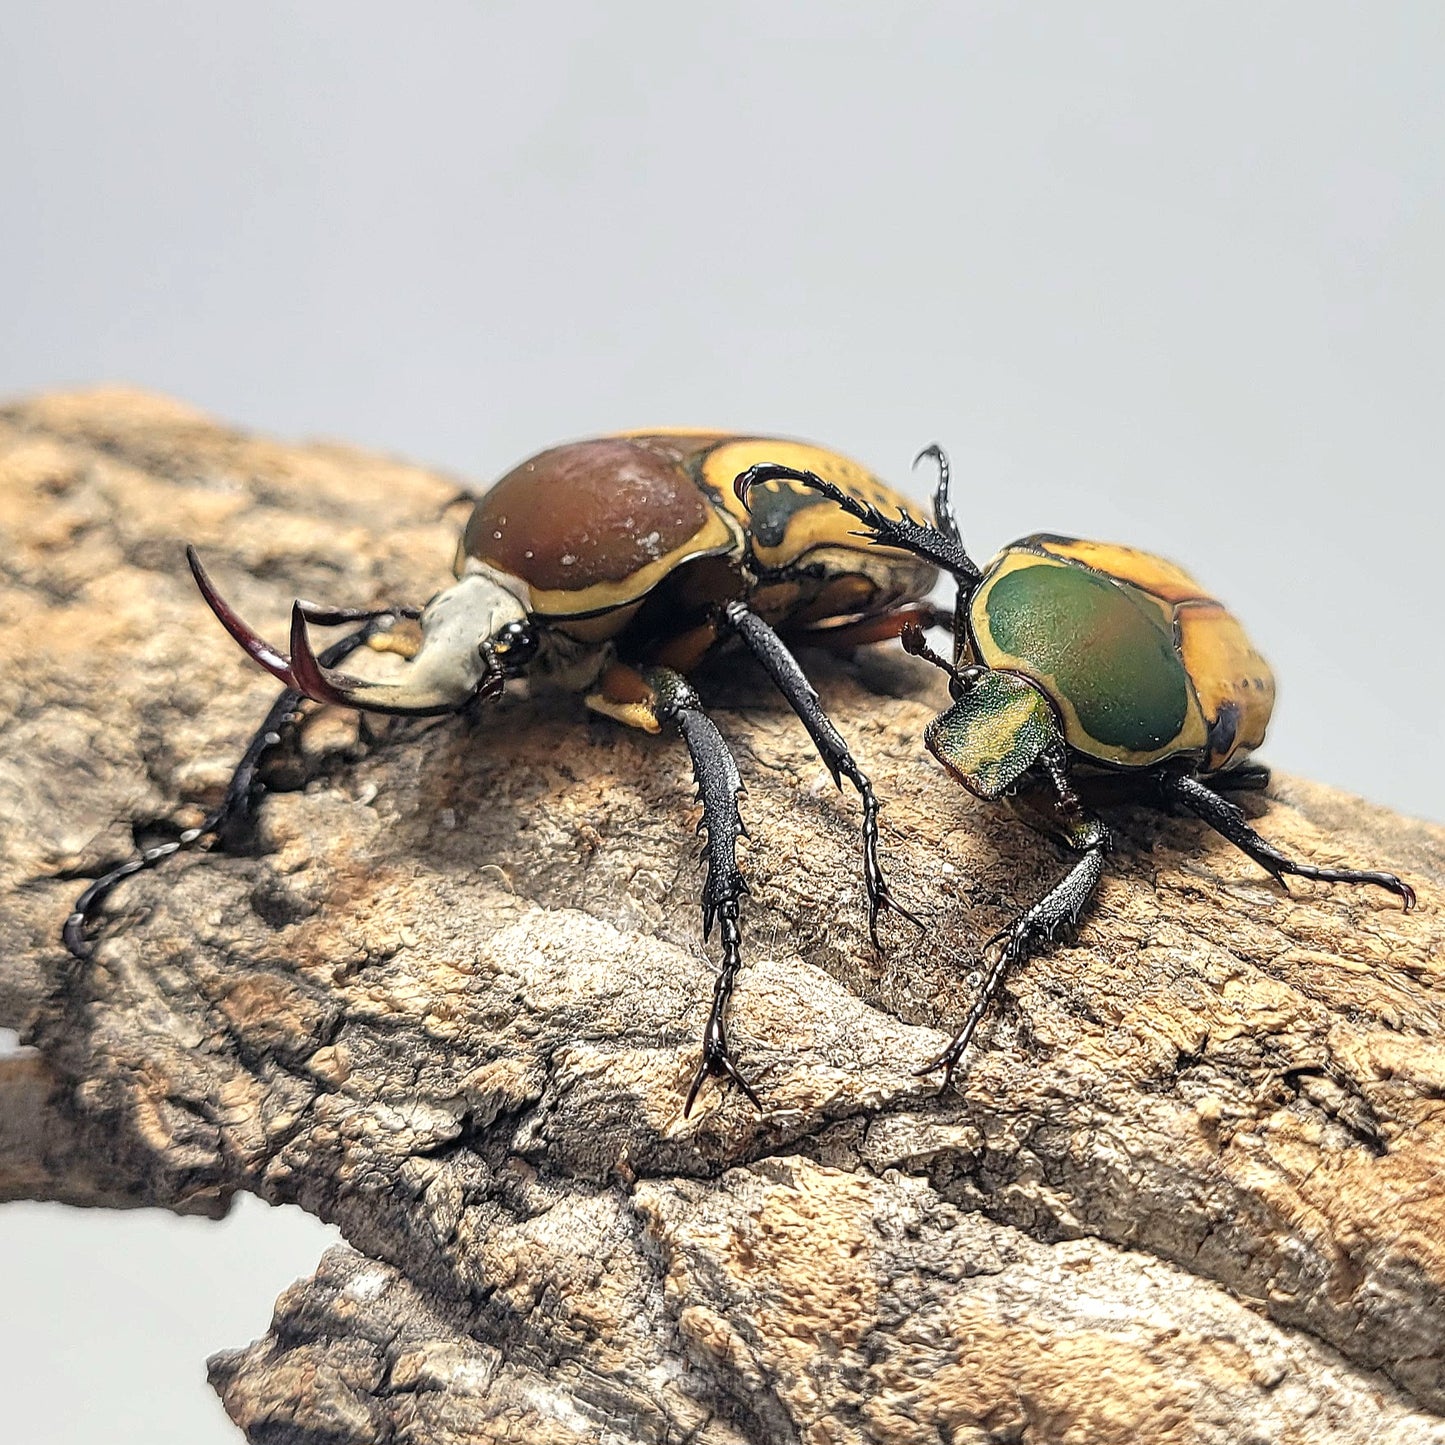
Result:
{"points": [[916, 644]]}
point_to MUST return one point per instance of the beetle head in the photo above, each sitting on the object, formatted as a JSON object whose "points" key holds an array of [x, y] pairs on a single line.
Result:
{"points": [[998, 727], [475, 635]]}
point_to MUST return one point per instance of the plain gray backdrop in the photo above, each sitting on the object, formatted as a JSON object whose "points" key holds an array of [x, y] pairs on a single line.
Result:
{"points": [[1168, 275]]}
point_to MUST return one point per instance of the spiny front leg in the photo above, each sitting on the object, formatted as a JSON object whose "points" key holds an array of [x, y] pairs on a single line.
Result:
{"points": [[234, 819], [718, 785], [925, 542], [1055, 915], [1228, 820]]}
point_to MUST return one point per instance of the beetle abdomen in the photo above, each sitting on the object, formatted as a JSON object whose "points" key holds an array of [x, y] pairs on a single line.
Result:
{"points": [[1140, 661]]}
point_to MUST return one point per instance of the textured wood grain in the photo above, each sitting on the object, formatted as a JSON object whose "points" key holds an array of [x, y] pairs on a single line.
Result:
{"points": [[1188, 1191]]}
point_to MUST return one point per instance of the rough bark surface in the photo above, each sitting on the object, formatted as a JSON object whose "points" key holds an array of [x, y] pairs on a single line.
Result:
{"points": [[1188, 1191]]}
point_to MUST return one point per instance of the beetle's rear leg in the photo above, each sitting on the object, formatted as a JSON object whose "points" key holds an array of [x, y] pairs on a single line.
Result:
{"points": [[674, 701], [885, 627], [234, 819], [1227, 819], [788, 677]]}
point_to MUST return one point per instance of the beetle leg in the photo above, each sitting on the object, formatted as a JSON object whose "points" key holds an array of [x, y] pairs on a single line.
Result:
{"points": [[622, 695], [882, 628], [320, 616], [1228, 820], [233, 819], [1055, 914], [1245, 778], [945, 519], [790, 680], [683, 652], [719, 785], [901, 531]]}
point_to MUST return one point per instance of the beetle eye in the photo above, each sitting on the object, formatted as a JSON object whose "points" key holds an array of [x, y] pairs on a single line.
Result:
{"points": [[963, 681], [514, 646]]}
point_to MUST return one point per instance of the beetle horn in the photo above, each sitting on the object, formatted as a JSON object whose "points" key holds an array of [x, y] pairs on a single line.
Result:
{"points": [[453, 664]]}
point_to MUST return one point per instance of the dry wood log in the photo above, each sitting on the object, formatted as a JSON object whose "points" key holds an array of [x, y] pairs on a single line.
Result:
{"points": [[1188, 1191]]}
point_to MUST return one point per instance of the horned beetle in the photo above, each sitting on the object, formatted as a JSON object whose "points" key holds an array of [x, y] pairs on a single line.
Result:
{"points": [[613, 566], [1072, 659]]}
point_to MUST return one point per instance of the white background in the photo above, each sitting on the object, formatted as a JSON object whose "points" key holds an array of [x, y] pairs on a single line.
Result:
{"points": [[1161, 274]]}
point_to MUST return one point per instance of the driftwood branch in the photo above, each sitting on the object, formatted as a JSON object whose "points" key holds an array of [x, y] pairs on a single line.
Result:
{"points": [[1189, 1189]]}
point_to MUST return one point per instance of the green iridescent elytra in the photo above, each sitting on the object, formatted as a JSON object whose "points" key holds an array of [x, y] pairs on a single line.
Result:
{"points": [[1140, 662], [1100, 644]]}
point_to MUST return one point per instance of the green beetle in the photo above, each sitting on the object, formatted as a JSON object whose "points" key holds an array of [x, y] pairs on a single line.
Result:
{"points": [[1072, 658]]}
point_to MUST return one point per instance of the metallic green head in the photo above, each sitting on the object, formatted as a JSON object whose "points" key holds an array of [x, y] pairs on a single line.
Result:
{"points": [[996, 730]]}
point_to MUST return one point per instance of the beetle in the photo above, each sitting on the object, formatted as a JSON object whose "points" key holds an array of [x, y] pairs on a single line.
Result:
{"points": [[612, 566], [1073, 660]]}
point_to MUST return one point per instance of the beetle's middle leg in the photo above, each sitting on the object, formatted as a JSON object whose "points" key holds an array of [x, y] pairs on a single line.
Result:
{"points": [[1054, 915], [789, 678]]}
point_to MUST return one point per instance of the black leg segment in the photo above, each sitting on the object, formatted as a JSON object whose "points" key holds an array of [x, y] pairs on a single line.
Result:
{"points": [[946, 520], [1247, 778], [234, 819], [944, 517], [788, 677], [1054, 915], [902, 532], [1229, 822], [718, 785]]}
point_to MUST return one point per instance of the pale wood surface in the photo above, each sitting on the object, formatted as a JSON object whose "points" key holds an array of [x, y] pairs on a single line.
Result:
{"points": [[1189, 1191]]}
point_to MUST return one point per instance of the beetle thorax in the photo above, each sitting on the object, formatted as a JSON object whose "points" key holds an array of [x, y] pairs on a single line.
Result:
{"points": [[570, 664]]}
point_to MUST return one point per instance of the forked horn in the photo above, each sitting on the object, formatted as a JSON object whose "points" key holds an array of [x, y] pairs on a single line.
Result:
{"points": [[449, 669]]}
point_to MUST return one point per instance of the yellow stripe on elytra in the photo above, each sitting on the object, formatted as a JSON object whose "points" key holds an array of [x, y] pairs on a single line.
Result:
{"points": [[1226, 670], [1157, 576], [810, 527]]}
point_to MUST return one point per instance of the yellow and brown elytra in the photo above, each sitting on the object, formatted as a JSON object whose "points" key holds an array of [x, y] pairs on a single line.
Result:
{"points": [[613, 566], [1073, 659]]}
